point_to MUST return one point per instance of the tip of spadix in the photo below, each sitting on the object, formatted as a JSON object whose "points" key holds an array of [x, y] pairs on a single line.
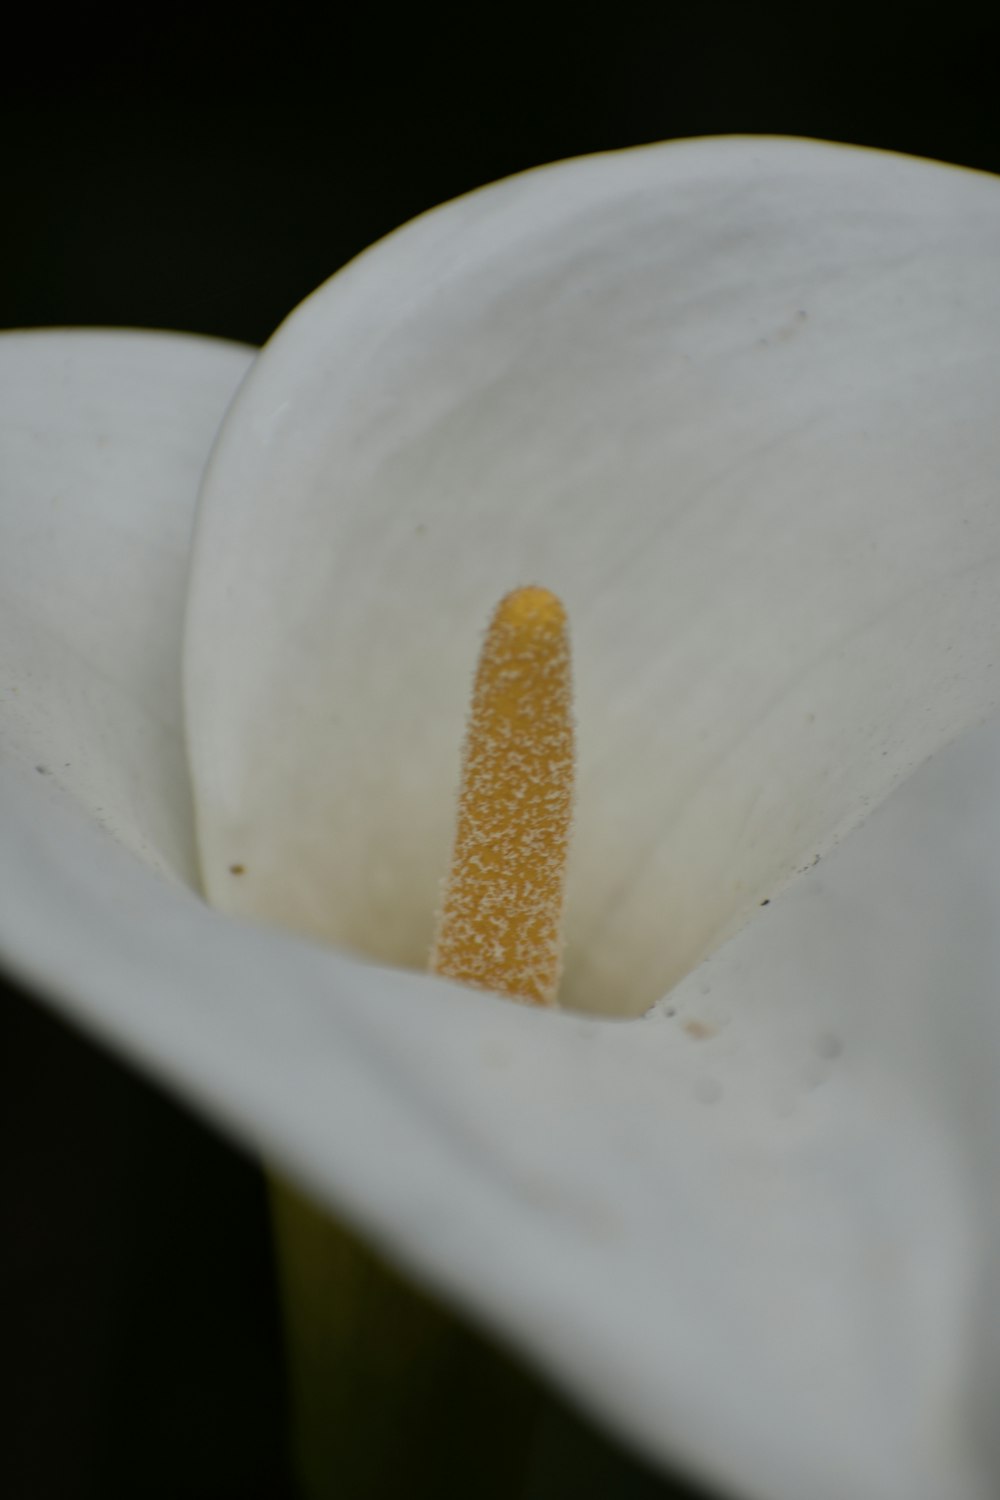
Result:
{"points": [[530, 605]]}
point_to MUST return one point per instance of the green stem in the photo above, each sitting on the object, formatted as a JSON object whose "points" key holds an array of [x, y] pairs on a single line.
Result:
{"points": [[391, 1395]]}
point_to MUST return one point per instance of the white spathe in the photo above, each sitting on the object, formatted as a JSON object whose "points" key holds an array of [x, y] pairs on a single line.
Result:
{"points": [[755, 1230], [734, 401], [103, 439]]}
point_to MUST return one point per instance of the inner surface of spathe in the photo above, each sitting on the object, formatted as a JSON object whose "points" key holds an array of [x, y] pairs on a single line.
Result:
{"points": [[685, 824], [691, 884], [711, 396]]}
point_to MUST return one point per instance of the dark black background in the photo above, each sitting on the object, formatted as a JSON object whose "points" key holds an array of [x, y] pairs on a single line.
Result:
{"points": [[203, 170]]}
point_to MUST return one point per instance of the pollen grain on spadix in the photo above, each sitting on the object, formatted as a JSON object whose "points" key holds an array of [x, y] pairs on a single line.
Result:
{"points": [[500, 926]]}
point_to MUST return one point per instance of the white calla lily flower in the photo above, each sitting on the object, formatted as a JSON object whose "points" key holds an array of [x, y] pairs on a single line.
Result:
{"points": [[734, 401]]}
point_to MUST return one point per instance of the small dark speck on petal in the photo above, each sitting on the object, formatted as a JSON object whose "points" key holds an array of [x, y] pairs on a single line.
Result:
{"points": [[237, 869], [42, 770], [766, 901]]}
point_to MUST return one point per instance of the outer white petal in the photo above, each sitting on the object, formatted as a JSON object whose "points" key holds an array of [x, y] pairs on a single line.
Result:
{"points": [[735, 401], [758, 1235], [103, 438]]}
